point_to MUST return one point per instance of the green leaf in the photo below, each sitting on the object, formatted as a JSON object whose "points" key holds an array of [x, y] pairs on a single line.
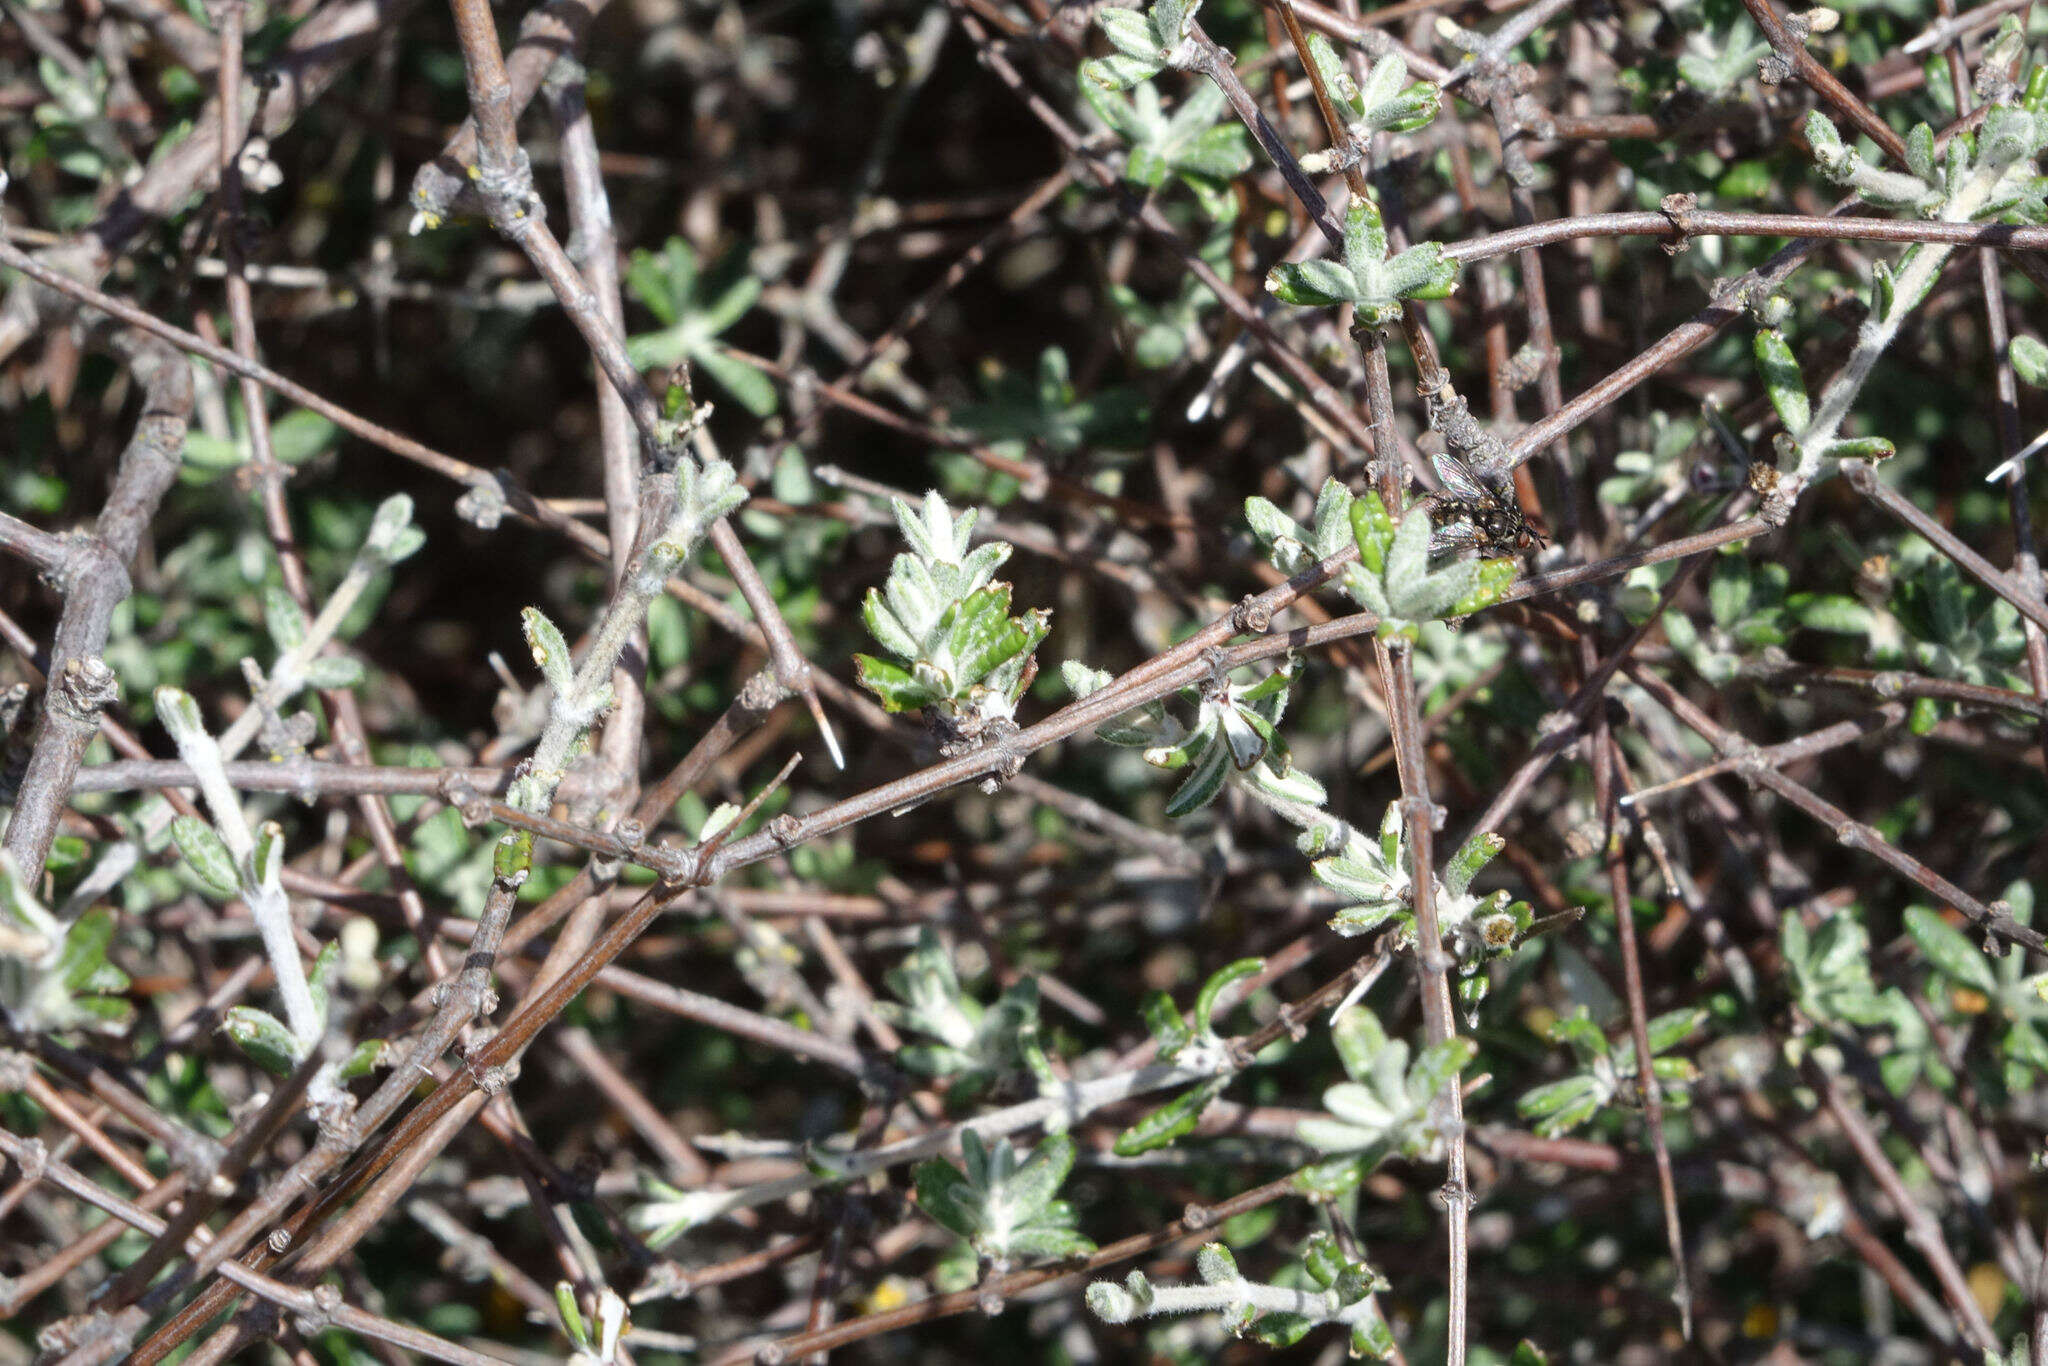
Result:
{"points": [[266, 859], [1034, 1184], [263, 1037], [1476, 853], [1205, 1000], [1783, 381], [298, 436], [2029, 360], [1556, 1097], [892, 684], [1365, 236], [1408, 554], [320, 979], [1040, 1242], [1203, 782], [983, 635], [1440, 1065], [1170, 1122], [1359, 1038], [1831, 612], [1312, 284], [1131, 34], [1949, 950], [1861, 448], [550, 652], [365, 1058], [284, 619], [752, 387], [206, 855], [82, 966], [946, 1196], [331, 673], [1372, 529], [1162, 1019], [1668, 1030]]}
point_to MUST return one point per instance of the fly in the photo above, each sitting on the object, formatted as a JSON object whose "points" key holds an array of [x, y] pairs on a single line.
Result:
{"points": [[1475, 511]]}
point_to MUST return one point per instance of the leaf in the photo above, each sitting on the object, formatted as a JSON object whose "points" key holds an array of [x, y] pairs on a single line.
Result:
{"points": [[2029, 360], [263, 1037], [1203, 782], [663, 281], [550, 652], [1359, 1038], [1099, 88], [1336, 79], [752, 387], [1162, 1019], [1118, 71], [1861, 448], [392, 536], [180, 716], [947, 1197], [1215, 153], [266, 859], [1170, 1122], [1557, 1096], [1039, 1179], [1040, 1242], [1219, 980], [1668, 1030], [1365, 236], [284, 619], [1312, 284], [298, 436], [82, 966], [983, 635], [365, 1058], [1440, 1065], [1949, 950], [1271, 525], [1783, 381], [1408, 555], [1131, 34], [1920, 151], [1475, 854], [206, 855], [1832, 612], [892, 684], [331, 673], [1373, 531], [1421, 272]]}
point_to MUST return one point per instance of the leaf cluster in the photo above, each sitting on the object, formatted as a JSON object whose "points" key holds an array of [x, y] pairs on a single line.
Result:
{"points": [[946, 618]]}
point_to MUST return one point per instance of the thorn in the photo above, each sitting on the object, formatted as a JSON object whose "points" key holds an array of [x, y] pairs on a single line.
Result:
{"points": [[2009, 466], [825, 728]]}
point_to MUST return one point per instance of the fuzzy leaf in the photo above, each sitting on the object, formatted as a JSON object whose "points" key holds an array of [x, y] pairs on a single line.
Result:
{"points": [[1219, 980], [264, 1038], [892, 684], [1783, 381], [550, 651], [332, 673], [1170, 1122], [1204, 781], [1312, 284], [206, 855], [1949, 950], [2029, 360]]}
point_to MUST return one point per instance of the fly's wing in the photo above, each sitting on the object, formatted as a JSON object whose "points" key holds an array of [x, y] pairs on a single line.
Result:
{"points": [[1459, 480], [1458, 535]]}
